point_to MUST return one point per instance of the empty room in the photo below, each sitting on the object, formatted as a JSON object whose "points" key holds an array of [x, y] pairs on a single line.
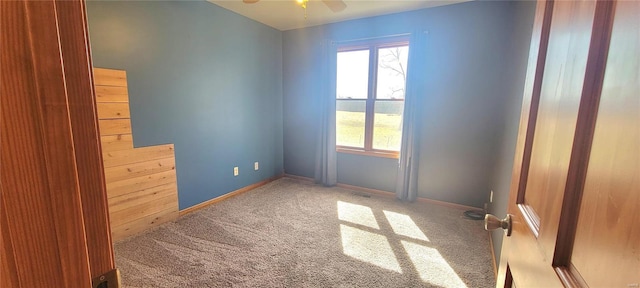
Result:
{"points": [[320, 143]]}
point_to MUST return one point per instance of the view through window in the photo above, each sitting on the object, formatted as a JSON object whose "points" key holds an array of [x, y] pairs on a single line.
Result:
{"points": [[370, 93]]}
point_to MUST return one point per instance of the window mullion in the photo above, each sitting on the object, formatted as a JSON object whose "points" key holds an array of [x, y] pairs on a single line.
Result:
{"points": [[378, 128], [373, 56]]}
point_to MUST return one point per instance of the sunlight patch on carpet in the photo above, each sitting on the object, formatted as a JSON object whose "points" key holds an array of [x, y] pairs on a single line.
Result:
{"points": [[431, 267], [403, 225], [368, 247], [357, 214]]}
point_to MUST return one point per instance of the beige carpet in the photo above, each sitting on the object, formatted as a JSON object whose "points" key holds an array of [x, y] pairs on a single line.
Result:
{"points": [[293, 234]]}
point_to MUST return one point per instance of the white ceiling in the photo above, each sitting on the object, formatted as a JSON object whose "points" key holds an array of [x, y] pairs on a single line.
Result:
{"points": [[287, 14]]}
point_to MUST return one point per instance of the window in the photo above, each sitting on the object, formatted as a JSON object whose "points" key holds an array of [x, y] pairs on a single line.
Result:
{"points": [[370, 89]]}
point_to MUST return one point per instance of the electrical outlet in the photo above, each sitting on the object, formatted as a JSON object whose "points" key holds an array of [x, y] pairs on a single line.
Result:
{"points": [[256, 166], [491, 197], [235, 171]]}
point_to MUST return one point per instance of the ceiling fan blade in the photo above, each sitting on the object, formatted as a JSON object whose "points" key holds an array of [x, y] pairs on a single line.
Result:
{"points": [[335, 5], [250, 1]]}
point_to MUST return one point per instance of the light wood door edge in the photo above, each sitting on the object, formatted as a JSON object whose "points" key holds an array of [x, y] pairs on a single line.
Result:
{"points": [[53, 195], [76, 54], [493, 255], [229, 195]]}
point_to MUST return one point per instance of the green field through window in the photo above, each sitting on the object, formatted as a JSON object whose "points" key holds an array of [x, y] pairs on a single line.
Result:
{"points": [[387, 131], [370, 99]]}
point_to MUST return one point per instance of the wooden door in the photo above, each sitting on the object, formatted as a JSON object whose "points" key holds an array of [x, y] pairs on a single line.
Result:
{"points": [[53, 214], [575, 190]]}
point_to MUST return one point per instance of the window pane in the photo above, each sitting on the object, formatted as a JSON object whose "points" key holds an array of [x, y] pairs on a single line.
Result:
{"points": [[350, 115], [392, 72], [352, 75], [387, 125]]}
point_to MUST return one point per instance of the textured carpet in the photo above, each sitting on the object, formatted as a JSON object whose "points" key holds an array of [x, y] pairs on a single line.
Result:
{"points": [[290, 233]]}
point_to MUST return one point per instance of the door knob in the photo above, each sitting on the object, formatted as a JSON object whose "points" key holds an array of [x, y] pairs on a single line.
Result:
{"points": [[492, 222]]}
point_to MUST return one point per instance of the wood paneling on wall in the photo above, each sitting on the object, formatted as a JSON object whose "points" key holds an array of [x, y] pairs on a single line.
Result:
{"points": [[141, 182]]}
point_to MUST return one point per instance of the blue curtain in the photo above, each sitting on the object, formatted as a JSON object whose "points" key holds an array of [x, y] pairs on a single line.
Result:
{"points": [[407, 180], [326, 157]]}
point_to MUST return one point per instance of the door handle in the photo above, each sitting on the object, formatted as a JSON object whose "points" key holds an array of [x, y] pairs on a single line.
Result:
{"points": [[492, 223]]}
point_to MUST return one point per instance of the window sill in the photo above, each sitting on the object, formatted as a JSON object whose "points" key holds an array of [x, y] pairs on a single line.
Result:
{"points": [[374, 153]]}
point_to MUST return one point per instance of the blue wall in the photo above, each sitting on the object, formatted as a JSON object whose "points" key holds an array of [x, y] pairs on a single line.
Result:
{"points": [[228, 91], [200, 77], [470, 80], [521, 38]]}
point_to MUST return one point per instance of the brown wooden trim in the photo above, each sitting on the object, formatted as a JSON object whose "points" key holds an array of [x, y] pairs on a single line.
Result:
{"points": [[7, 261], [570, 277], [508, 279], [300, 178], [41, 193], [387, 194], [447, 204], [373, 153], [72, 25], [530, 101], [59, 157], [372, 191], [585, 127], [531, 218], [535, 101], [228, 195]]}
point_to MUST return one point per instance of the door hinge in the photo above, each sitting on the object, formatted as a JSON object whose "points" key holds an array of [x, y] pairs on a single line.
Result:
{"points": [[110, 279]]}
